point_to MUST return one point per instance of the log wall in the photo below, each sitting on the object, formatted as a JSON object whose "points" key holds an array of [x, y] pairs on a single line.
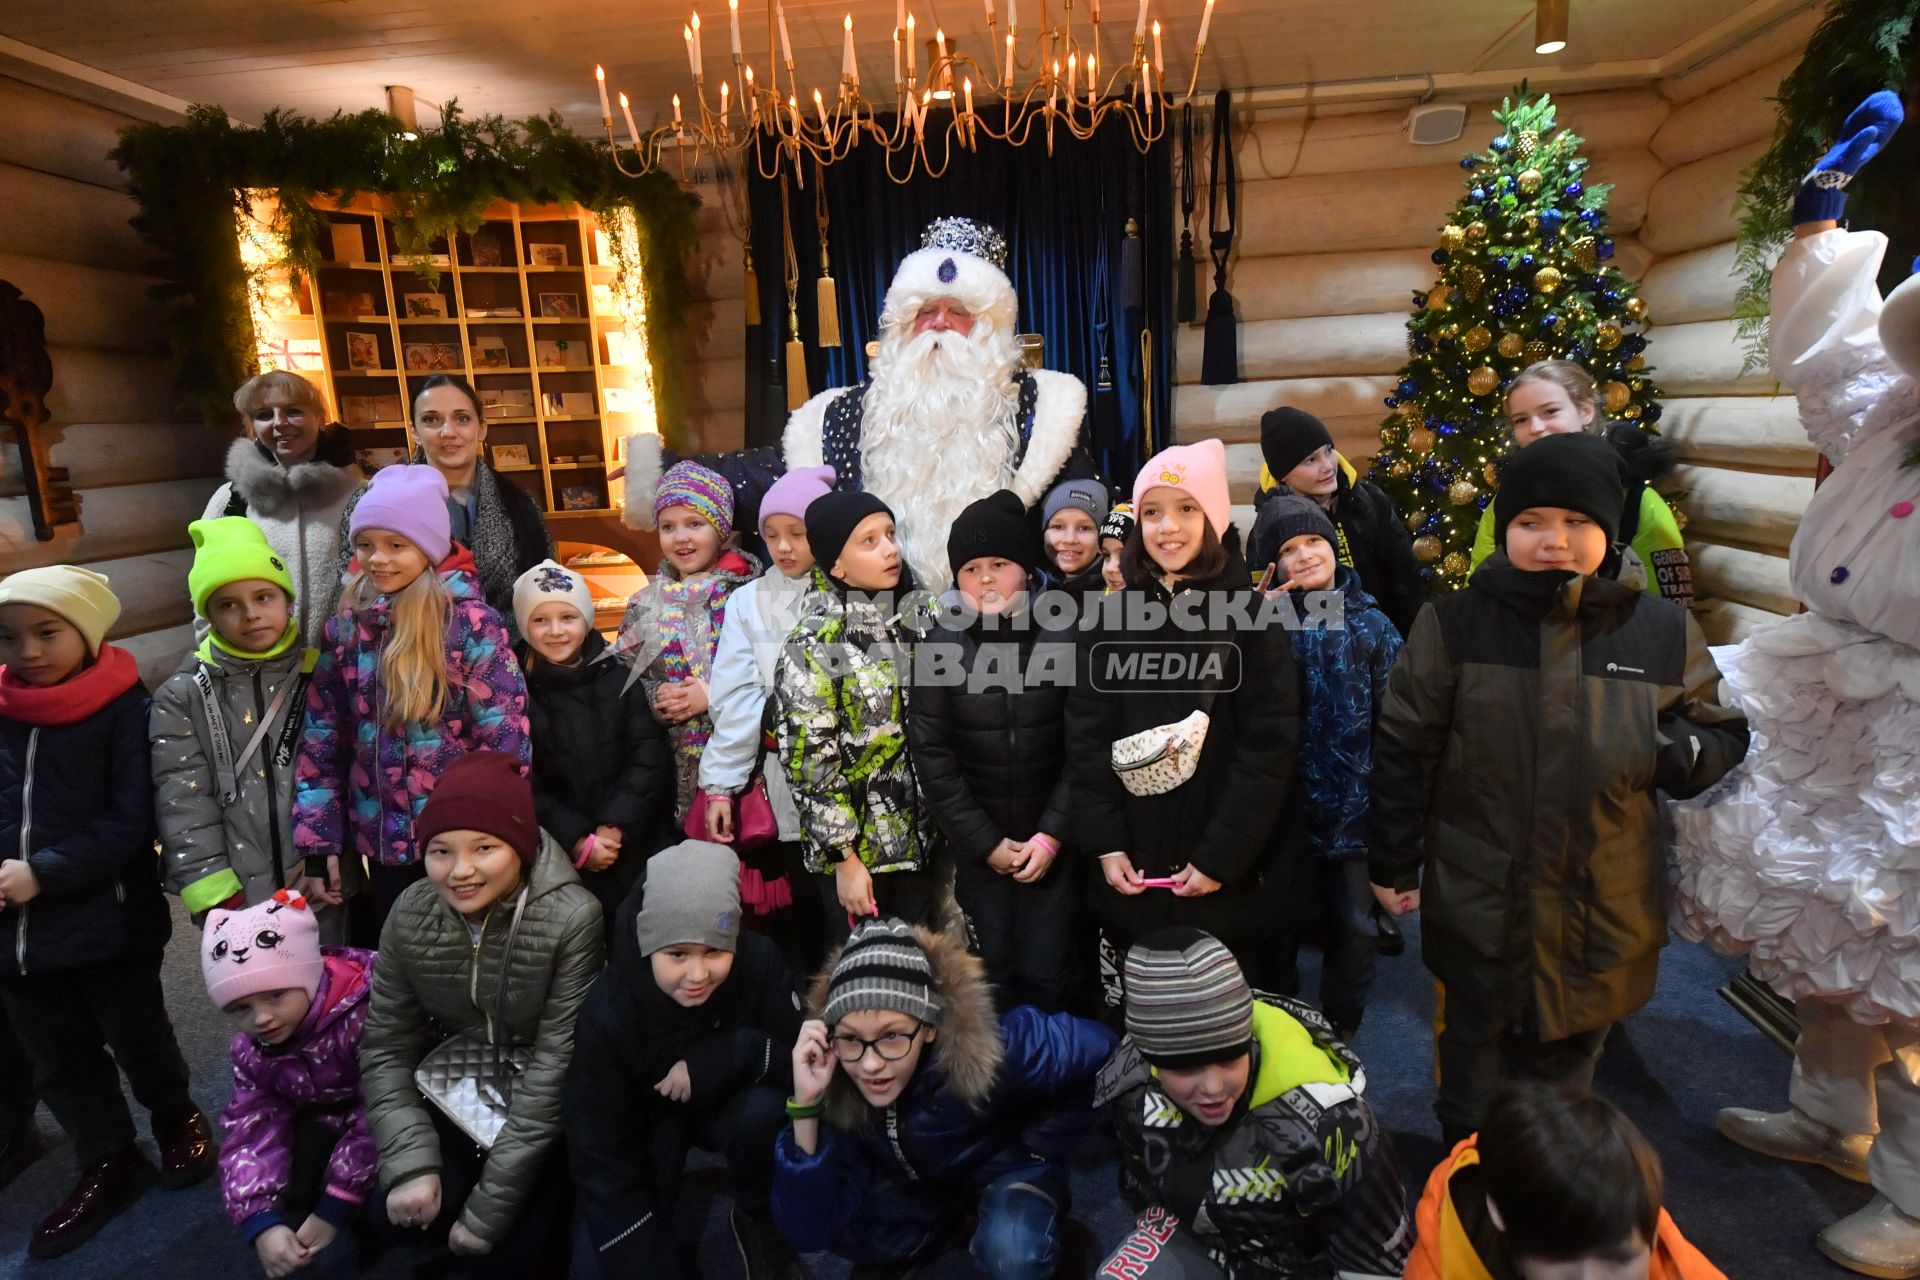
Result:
{"points": [[141, 466], [714, 347]]}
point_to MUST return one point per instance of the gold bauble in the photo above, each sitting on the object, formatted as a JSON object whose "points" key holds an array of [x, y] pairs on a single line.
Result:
{"points": [[1526, 144], [1426, 548], [1400, 469], [1492, 473], [1476, 232], [1510, 345], [1461, 492], [1439, 297], [1452, 237], [1533, 222], [1412, 412], [1420, 440], [1636, 308], [1483, 380], [1536, 351], [1416, 521], [1387, 435], [1476, 339], [1631, 412], [1637, 363], [1607, 336], [1456, 563], [1447, 332], [1547, 279], [1472, 279], [1531, 180], [1586, 253], [1616, 394]]}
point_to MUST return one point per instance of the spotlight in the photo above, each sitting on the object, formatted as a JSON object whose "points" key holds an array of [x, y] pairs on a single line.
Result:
{"points": [[1549, 26]]}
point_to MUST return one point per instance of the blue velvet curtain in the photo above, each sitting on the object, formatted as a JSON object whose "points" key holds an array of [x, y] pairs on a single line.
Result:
{"points": [[1065, 219]]}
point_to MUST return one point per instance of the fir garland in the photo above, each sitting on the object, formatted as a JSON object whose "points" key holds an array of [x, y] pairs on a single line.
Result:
{"points": [[1861, 47], [191, 180]]}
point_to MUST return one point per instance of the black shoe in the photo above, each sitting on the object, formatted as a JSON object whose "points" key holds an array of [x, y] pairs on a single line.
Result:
{"points": [[102, 1193], [18, 1150], [187, 1152], [764, 1252], [1387, 938]]}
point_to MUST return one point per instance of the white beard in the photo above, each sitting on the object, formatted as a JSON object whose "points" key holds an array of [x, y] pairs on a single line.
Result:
{"points": [[938, 429]]}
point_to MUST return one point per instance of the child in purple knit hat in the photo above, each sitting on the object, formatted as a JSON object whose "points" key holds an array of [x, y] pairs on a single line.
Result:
{"points": [[297, 1009]]}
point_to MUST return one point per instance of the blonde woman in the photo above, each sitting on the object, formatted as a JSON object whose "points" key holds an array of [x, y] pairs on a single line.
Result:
{"points": [[415, 671], [292, 474], [1551, 397]]}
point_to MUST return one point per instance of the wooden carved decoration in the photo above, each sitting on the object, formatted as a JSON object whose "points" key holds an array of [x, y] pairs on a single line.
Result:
{"points": [[26, 376]]}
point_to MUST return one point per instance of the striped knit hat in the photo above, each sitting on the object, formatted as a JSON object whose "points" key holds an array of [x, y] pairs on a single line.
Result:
{"points": [[882, 967], [1188, 1004], [688, 484]]}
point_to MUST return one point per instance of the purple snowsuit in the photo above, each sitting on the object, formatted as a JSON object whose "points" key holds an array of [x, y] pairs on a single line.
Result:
{"points": [[353, 773], [314, 1076]]}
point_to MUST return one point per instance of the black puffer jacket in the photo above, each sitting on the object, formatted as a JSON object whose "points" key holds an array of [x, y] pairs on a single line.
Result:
{"points": [[76, 803], [629, 1035], [1221, 818], [598, 756], [988, 733], [1377, 545]]}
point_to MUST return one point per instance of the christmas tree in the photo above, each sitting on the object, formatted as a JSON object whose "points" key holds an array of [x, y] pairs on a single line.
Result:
{"points": [[1524, 276]]}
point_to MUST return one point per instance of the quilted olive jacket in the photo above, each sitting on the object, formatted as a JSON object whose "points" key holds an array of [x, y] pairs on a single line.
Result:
{"points": [[434, 978]]}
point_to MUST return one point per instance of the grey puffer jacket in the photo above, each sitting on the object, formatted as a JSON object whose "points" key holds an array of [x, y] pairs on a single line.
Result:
{"points": [[301, 510], [212, 851], [434, 979]]}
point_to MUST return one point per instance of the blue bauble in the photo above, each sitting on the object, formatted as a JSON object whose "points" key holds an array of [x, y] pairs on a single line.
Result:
{"points": [[1468, 162], [1526, 260], [1605, 250], [1500, 143], [1427, 574], [1501, 263], [1590, 217], [1549, 322], [1508, 184], [1407, 387], [1573, 190], [1392, 402], [1477, 195], [1423, 344], [1445, 429], [1651, 413], [1482, 502], [1611, 297], [1439, 257], [1551, 219], [1577, 165]]}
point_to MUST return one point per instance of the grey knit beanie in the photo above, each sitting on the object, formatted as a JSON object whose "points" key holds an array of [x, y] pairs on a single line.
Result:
{"points": [[882, 967], [692, 895], [1188, 1004], [1295, 517], [1089, 496]]}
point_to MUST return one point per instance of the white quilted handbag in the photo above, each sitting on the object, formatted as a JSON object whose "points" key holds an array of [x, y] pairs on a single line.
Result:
{"points": [[1155, 761], [471, 1080]]}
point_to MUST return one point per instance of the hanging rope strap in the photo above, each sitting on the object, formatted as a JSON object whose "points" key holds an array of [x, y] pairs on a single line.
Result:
{"points": [[1186, 307], [797, 393], [1219, 359], [827, 297]]}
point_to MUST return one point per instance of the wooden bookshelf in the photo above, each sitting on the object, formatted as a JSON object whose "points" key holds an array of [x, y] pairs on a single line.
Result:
{"points": [[383, 329]]}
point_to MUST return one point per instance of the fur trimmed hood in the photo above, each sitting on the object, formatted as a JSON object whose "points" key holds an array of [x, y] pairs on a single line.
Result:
{"points": [[966, 1053], [278, 492]]}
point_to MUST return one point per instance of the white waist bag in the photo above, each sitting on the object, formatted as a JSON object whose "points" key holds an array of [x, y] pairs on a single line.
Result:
{"points": [[1155, 761]]}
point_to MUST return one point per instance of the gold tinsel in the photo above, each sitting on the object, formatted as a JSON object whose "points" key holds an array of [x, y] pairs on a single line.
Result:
{"points": [[1477, 339], [1452, 237], [1607, 336], [1510, 345], [1536, 351], [1482, 380], [1586, 253], [1426, 548], [1416, 520], [1420, 440], [1400, 469], [1526, 144], [1456, 563], [1471, 281], [1547, 279], [1461, 492], [1636, 308], [1476, 232], [1616, 395], [1531, 180]]}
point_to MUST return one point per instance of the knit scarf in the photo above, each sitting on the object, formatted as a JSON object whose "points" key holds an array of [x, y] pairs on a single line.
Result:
{"points": [[689, 618], [74, 699]]}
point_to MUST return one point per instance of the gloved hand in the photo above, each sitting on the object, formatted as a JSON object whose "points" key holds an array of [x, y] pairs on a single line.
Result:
{"points": [[1823, 192]]}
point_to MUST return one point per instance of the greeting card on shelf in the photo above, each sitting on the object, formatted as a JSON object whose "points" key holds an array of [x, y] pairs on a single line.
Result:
{"points": [[558, 353], [348, 243], [297, 355], [547, 255], [491, 353], [432, 357], [507, 402], [359, 411], [489, 247], [581, 497], [340, 302], [363, 349], [387, 409], [371, 460], [560, 306], [425, 306], [576, 404], [503, 312], [512, 455]]}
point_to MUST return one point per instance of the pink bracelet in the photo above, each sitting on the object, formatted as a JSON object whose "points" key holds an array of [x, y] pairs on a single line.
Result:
{"points": [[586, 849], [1052, 845]]}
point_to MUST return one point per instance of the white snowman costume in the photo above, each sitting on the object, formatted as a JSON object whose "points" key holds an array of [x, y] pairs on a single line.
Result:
{"points": [[1806, 859]]}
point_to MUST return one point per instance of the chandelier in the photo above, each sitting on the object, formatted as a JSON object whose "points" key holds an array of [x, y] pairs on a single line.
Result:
{"points": [[1060, 79]]}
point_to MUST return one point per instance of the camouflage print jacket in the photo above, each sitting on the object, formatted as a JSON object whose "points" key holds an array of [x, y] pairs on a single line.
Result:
{"points": [[840, 707]]}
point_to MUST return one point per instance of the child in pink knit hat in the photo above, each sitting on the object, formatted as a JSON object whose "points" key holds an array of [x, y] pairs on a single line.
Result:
{"points": [[298, 1009]]}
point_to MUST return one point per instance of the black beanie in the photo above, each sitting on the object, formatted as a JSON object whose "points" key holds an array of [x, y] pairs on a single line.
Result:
{"points": [[1287, 436], [1295, 516], [831, 520], [1575, 471], [996, 525]]}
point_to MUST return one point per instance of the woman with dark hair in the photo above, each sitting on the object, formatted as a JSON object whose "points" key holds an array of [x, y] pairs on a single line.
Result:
{"points": [[293, 475], [492, 517], [1183, 724], [1555, 1184]]}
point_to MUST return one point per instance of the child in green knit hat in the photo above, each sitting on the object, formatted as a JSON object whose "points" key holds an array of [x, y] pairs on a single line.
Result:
{"points": [[223, 730]]}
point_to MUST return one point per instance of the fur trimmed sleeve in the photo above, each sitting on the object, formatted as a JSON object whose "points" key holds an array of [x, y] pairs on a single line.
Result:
{"points": [[803, 443], [1059, 413]]}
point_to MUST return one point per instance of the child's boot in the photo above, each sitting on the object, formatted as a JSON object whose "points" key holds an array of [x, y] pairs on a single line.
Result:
{"points": [[1794, 1135], [1878, 1240], [104, 1190], [763, 1250], [187, 1153]]}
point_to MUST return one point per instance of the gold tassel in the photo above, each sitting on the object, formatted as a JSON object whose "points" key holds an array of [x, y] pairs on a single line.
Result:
{"points": [[797, 393], [753, 290], [829, 306]]}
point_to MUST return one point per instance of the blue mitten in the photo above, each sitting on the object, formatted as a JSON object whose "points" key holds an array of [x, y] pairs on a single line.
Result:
{"points": [[1823, 193]]}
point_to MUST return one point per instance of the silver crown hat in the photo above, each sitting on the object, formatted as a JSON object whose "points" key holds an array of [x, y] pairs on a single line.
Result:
{"points": [[959, 259]]}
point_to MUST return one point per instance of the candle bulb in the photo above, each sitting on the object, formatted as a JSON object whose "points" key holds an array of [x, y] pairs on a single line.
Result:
{"points": [[1073, 63], [600, 80], [967, 86], [627, 113], [694, 46], [848, 67], [820, 109], [940, 41], [1206, 20], [1053, 87], [1140, 22], [753, 99], [793, 105], [725, 103], [1006, 83], [1159, 58], [786, 45], [1093, 91], [896, 58], [676, 111], [733, 15], [913, 49]]}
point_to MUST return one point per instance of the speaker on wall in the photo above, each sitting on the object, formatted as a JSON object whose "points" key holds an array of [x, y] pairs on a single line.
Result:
{"points": [[1435, 123]]}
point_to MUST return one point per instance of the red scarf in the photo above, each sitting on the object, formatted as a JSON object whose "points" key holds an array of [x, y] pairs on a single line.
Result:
{"points": [[73, 699]]}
